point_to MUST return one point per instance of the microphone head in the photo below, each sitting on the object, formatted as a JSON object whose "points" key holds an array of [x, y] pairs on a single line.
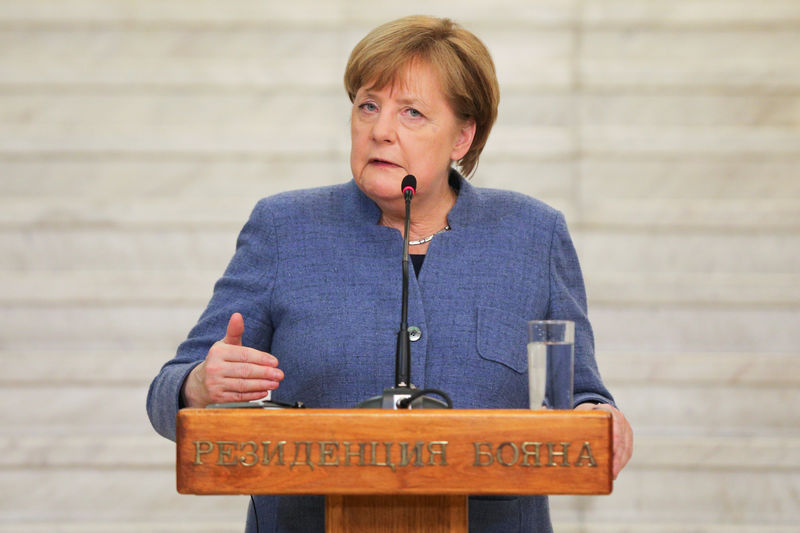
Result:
{"points": [[409, 183]]}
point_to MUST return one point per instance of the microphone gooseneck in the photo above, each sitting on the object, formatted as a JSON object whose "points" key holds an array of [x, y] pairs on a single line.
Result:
{"points": [[403, 353], [404, 395]]}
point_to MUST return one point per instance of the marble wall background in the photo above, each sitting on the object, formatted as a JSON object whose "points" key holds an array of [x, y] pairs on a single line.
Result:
{"points": [[135, 137]]}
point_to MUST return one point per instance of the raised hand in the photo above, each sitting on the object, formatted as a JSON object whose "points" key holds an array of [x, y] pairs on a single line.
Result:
{"points": [[232, 372]]}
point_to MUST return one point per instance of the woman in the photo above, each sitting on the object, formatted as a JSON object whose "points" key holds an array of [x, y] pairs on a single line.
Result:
{"points": [[316, 273]]}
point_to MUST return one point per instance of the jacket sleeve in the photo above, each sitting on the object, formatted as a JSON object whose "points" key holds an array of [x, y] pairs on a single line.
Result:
{"points": [[568, 302], [245, 287]]}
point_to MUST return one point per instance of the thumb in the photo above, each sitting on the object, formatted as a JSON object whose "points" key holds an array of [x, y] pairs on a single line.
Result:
{"points": [[235, 330]]}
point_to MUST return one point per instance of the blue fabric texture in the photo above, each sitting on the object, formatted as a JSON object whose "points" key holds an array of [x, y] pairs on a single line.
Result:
{"points": [[318, 282]]}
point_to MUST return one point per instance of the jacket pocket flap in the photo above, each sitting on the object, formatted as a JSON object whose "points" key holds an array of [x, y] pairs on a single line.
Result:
{"points": [[503, 338]]}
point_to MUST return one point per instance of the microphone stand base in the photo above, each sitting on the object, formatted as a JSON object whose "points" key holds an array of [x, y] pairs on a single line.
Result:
{"points": [[390, 398]]}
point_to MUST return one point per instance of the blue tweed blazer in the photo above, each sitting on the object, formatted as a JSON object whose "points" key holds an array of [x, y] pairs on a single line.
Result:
{"points": [[318, 282]]}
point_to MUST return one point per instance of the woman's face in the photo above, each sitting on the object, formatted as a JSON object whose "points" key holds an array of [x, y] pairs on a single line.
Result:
{"points": [[406, 128]]}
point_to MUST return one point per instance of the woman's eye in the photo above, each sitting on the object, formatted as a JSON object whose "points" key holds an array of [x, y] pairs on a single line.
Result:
{"points": [[413, 113], [368, 106]]}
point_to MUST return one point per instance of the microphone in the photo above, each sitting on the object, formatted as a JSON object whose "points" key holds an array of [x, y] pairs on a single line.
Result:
{"points": [[409, 188], [404, 395], [403, 353]]}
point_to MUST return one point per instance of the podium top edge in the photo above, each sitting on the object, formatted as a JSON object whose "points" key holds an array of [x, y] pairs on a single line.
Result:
{"points": [[444, 413]]}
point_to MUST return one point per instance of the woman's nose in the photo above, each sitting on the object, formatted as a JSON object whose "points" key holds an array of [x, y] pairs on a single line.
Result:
{"points": [[384, 129]]}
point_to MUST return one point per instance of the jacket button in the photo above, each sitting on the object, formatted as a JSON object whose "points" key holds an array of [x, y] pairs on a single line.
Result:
{"points": [[414, 333]]}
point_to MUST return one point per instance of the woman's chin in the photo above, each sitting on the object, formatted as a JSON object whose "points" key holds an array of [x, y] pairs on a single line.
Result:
{"points": [[382, 183]]}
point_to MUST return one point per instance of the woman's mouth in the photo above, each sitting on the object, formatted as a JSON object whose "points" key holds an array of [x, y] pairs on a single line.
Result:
{"points": [[382, 163]]}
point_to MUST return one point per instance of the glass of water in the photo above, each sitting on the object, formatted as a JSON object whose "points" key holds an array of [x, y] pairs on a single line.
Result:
{"points": [[550, 363]]}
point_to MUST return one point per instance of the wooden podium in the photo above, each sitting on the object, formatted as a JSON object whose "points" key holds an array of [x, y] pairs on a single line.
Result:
{"points": [[399, 471]]}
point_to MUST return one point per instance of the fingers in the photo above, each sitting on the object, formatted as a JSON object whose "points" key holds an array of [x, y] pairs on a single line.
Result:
{"points": [[622, 438], [232, 372], [627, 443], [234, 396], [235, 330], [239, 382], [625, 447], [249, 371], [257, 387], [241, 369], [243, 354]]}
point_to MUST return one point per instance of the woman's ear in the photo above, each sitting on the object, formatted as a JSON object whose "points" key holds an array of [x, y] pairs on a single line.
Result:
{"points": [[464, 140]]}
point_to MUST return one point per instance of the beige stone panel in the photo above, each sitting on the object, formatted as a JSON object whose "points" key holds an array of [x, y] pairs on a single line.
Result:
{"points": [[690, 500], [87, 451], [550, 180], [569, 525], [709, 409], [112, 328], [699, 110], [661, 330], [686, 178], [85, 366], [682, 13], [687, 252], [756, 368], [474, 15], [527, 126], [174, 121], [122, 495], [754, 453], [530, 58], [678, 125], [677, 472], [537, 177], [656, 58], [744, 215], [233, 525], [56, 411], [87, 248], [303, 13], [208, 12], [142, 177], [125, 212], [673, 140], [725, 193], [107, 287], [158, 57], [670, 288]]}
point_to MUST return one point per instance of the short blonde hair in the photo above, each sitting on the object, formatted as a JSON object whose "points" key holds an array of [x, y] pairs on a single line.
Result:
{"points": [[465, 69]]}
